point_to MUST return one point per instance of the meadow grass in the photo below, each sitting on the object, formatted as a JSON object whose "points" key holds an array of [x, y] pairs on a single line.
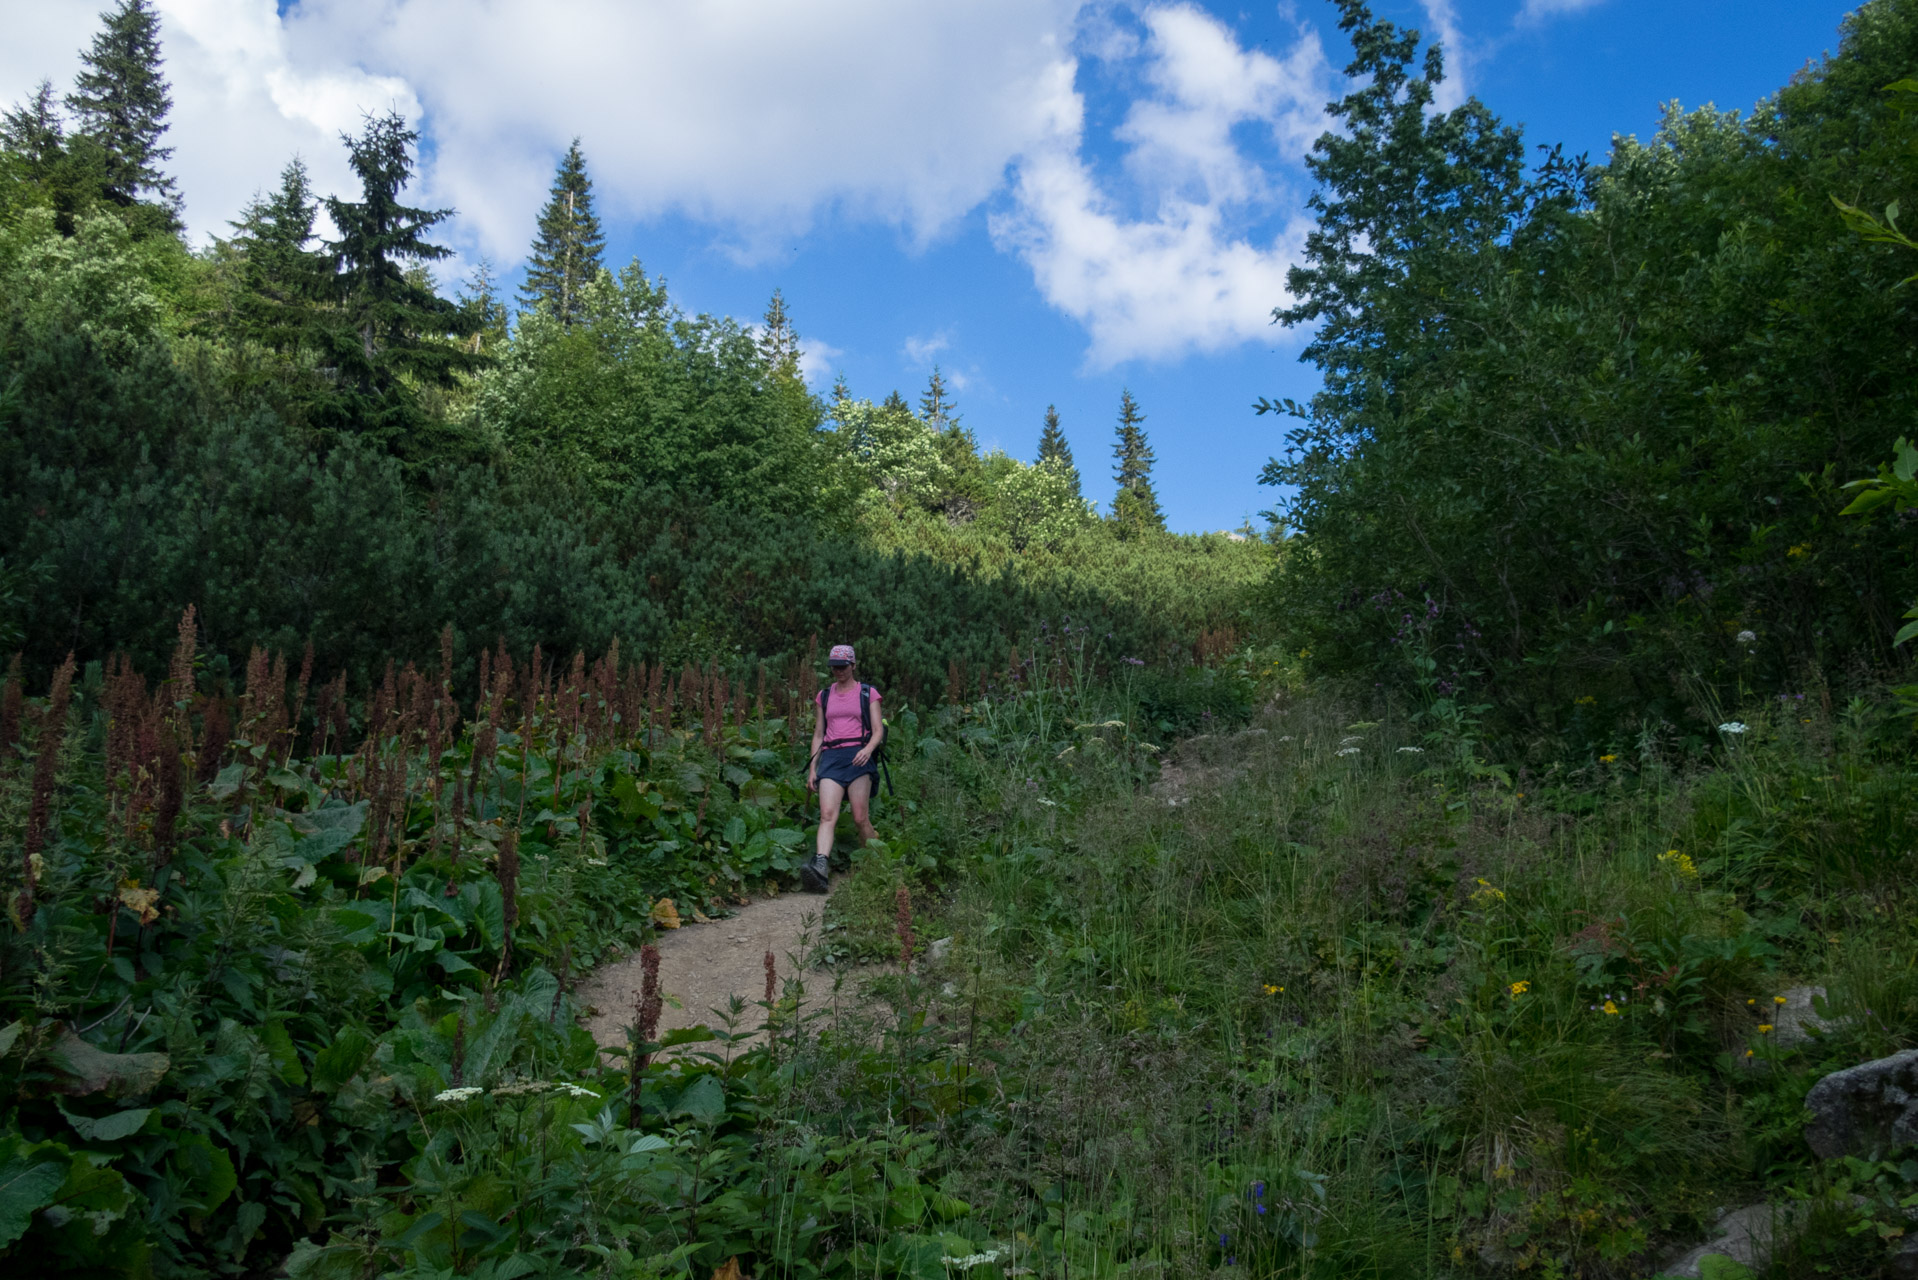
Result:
{"points": [[1322, 1001]]}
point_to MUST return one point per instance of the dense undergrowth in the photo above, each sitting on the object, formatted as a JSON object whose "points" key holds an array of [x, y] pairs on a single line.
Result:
{"points": [[1316, 997]]}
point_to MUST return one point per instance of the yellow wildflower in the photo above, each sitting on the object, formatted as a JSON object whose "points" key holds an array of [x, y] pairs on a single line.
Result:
{"points": [[1519, 988], [1764, 1028], [1680, 862], [1487, 892], [1611, 1008], [1272, 990], [1585, 701], [1799, 550], [1778, 999], [1606, 759]]}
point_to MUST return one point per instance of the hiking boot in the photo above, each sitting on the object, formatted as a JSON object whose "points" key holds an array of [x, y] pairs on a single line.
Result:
{"points": [[815, 875]]}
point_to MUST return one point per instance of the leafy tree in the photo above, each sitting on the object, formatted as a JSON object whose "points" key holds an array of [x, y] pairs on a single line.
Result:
{"points": [[1038, 505], [566, 253], [390, 331], [120, 100], [1054, 448], [1570, 449], [636, 394], [1135, 506]]}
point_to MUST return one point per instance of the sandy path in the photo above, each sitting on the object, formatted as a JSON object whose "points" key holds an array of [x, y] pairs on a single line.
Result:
{"points": [[704, 965]]}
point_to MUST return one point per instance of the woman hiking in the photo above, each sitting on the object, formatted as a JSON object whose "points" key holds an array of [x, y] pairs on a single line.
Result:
{"points": [[846, 735]]}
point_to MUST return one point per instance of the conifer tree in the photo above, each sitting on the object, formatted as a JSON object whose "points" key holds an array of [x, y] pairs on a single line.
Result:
{"points": [[484, 307], [281, 279], [935, 406], [120, 100], [895, 403], [1135, 505], [33, 130], [1054, 448], [566, 253], [778, 342], [391, 326]]}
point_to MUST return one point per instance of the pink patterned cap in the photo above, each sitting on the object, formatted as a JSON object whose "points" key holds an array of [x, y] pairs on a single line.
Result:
{"points": [[841, 653]]}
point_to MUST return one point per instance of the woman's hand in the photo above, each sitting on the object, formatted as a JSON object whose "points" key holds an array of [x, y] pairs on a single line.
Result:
{"points": [[812, 776], [865, 754]]}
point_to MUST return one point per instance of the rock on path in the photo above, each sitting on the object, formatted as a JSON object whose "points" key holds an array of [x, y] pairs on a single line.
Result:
{"points": [[703, 966]]}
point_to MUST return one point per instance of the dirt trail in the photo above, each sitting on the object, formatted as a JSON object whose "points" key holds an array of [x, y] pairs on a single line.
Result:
{"points": [[704, 965]]}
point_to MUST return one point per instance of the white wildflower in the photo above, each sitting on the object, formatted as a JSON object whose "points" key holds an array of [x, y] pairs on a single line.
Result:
{"points": [[1417, 751], [972, 1260], [1050, 804], [595, 862], [1734, 727], [464, 1094], [1747, 637], [578, 1091], [1350, 739], [1286, 738], [1348, 751]]}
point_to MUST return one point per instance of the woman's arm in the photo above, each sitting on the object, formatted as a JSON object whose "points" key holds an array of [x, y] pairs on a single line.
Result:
{"points": [[878, 735], [818, 740]]}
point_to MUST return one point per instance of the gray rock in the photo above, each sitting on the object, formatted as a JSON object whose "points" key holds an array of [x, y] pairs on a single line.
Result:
{"points": [[1795, 1021], [939, 949], [1903, 1264], [1743, 1235], [1865, 1110]]}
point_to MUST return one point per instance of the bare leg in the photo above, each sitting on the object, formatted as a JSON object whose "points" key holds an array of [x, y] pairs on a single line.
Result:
{"points": [[831, 795], [860, 793]]}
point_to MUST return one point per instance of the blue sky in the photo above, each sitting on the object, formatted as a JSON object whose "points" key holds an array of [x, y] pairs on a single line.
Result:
{"points": [[1053, 200]]}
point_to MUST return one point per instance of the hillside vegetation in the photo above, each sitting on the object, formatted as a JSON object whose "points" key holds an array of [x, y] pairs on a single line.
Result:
{"points": [[1469, 881]]}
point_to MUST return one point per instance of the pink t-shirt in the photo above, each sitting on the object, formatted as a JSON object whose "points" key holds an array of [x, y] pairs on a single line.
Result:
{"points": [[842, 715]]}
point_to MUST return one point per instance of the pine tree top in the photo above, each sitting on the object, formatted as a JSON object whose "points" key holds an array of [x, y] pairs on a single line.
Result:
{"points": [[778, 341], [34, 129], [935, 406], [567, 251], [1052, 439], [120, 99]]}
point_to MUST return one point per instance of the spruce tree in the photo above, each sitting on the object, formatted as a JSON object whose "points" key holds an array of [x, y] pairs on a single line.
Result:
{"points": [[1053, 447], [281, 279], [391, 327], [778, 342], [120, 100], [1135, 506], [566, 253], [935, 406], [896, 403], [33, 130]]}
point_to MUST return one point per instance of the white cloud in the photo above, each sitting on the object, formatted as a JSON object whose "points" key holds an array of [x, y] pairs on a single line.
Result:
{"points": [[762, 118], [1540, 10], [243, 102], [754, 116], [921, 351], [1442, 19], [1180, 279], [816, 360]]}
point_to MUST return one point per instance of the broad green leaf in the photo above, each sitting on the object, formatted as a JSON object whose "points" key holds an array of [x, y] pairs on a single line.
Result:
{"points": [[84, 1068], [28, 1184], [121, 1124], [704, 1101]]}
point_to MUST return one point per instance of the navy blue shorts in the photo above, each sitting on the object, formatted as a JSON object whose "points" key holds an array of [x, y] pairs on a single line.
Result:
{"points": [[836, 763]]}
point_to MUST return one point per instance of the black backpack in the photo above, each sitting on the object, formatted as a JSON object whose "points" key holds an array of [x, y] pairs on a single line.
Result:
{"points": [[865, 728]]}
